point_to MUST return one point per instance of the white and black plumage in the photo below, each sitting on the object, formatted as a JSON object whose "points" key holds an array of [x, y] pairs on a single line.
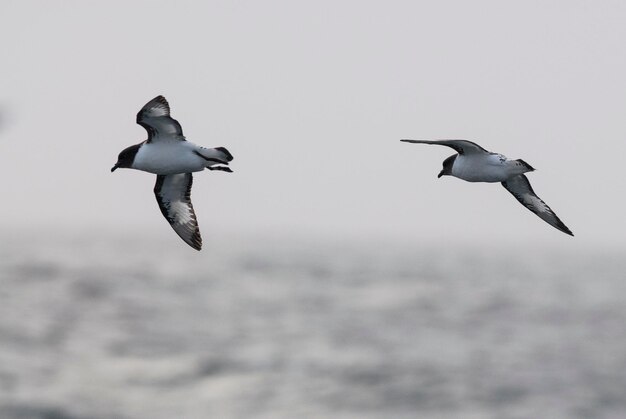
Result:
{"points": [[172, 158], [475, 164]]}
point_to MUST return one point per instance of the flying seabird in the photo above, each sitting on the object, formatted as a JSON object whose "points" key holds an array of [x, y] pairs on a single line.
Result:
{"points": [[475, 164], [167, 154]]}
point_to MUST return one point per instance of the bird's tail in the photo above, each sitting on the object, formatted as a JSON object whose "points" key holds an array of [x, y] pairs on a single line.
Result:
{"points": [[525, 165], [217, 158]]}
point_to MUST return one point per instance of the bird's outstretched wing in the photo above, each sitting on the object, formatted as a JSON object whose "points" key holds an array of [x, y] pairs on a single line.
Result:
{"points": [[460, 146], [155, 118], [520, 188], [173, 193]]}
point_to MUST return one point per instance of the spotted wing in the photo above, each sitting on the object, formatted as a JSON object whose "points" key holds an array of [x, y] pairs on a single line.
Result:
{"points": [[155, 118], [520, 188], [460, 146], [173, 193]]}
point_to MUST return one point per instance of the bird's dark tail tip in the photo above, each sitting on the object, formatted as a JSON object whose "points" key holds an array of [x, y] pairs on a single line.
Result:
{"points": [[526, 165], [229, 156]]}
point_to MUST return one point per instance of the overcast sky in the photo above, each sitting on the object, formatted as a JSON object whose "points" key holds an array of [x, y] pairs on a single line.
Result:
{"points": [[312, 99]]}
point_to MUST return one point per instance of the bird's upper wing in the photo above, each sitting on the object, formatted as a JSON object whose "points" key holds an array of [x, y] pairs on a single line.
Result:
{"points": [[460, 146], [520, 187], [155, 118], [173, 193]]}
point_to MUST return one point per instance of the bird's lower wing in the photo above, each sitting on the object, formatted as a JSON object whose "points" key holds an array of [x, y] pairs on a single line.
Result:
{"points": [[460, 146], [520, 188], [173, 193]]}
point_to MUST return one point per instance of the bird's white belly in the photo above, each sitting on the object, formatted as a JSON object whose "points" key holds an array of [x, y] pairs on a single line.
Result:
{"points": [[480, 169], [166, 159]]}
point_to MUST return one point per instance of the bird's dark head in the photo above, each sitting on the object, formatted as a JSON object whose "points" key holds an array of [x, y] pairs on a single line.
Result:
{"points": [[126, 157], [447, 166]]}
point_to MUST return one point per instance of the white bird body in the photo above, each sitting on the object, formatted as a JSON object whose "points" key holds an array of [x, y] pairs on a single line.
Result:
{"points": [[169, 157], [490, 168]]}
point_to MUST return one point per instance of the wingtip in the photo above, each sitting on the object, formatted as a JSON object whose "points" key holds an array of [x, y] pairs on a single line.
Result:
{"points": [[560, 225], [160, 98], [195, 242], [563, 228]]}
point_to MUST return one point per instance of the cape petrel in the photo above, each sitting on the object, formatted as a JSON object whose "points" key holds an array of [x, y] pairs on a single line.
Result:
{"points": [[475, 164], [167, 154]]}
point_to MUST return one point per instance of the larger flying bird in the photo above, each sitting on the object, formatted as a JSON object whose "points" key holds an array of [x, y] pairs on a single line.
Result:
{"points": [[475, 164], [167, 154]]}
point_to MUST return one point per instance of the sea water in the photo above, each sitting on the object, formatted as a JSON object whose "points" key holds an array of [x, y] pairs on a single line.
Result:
{"points": [[97, 327]]}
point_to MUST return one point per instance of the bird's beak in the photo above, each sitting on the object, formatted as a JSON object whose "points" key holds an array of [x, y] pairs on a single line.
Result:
{"points": [[440, 174], [114, 167]]}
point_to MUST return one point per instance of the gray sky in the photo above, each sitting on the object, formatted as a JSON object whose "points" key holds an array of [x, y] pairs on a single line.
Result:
{"points": [[312, 99]]}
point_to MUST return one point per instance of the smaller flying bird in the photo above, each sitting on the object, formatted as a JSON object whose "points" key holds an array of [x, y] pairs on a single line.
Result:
{"points": [[167, 154], [475, 164]]}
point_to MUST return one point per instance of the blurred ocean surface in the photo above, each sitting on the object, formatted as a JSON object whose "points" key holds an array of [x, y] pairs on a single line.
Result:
{"points": [[99, 328]]}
